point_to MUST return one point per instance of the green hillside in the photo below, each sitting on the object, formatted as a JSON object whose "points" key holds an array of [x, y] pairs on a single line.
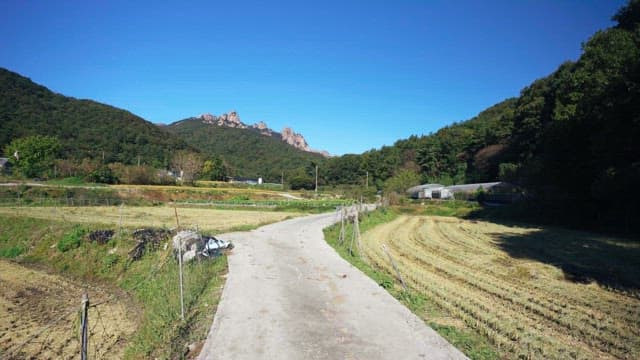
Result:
{"points": [[570, 139], [246, 151], [86, 129]]}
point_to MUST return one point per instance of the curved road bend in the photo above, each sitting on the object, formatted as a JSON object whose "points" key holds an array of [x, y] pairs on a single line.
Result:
{"points": [[289, 295]]}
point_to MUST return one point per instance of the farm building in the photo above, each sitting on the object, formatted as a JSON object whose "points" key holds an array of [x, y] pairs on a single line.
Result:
{"points": [[495, 191], [471, 188], [244, 180], [430, 191]]}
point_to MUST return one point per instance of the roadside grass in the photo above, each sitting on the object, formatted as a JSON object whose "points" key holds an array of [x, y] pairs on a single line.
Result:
{"points": [[457, 208], [72, 181], [456, 332], [149, 284]]}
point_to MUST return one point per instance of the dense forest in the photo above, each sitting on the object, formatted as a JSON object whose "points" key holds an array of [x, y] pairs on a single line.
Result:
{"points": [[570, 140], [85, 128], [246, 152], [87, 136]]}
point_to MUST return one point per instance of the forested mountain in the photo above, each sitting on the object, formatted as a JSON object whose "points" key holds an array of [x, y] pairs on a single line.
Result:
{"points": [[459, 153], [90, 130], [246, 151], [85, 128], [570, 139]]}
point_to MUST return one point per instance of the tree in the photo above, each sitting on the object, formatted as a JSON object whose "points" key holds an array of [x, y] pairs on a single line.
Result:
{"points": [[300, 179], [401, 181], [214, 169], [33, 156], [102, 175], [188, 164]]}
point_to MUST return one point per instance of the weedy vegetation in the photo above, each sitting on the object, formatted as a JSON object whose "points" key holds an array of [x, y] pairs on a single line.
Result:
{"points": [[147, 288]]}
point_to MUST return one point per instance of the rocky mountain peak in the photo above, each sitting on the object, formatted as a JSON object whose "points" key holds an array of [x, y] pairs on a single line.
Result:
{"points": [[263, 128], [232, 120], [294, 139]]}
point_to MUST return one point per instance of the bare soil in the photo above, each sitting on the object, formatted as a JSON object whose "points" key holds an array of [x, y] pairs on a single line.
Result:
{"points": [[40, 317]]}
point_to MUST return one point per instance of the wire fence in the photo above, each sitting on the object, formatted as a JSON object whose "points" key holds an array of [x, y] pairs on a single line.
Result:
{"points": [[59, 336]]}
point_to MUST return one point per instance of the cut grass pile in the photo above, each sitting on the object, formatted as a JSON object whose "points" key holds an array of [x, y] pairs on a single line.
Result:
{"points": [[153, 216], [534, 293]]}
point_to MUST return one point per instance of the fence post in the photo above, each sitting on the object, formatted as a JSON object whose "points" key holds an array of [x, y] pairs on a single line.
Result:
{"points": [[342, 216], [393, 264], [356, 232], [84, 323], [175, 209], [120, 222]]}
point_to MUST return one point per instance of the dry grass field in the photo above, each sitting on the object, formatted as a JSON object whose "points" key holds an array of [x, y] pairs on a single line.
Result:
{"points": [[535, 293], [45, 308], [156, 216]]}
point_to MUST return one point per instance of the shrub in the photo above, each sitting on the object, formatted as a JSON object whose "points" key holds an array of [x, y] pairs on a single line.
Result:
{"points": [[11, 252], [103, 175], [71, 240], [109, 261]]}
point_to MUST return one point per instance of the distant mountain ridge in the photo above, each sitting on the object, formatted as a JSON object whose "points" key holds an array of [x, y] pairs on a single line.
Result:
{"points": [[287, 135], [86, 128], [91, 130], [251, 151]]}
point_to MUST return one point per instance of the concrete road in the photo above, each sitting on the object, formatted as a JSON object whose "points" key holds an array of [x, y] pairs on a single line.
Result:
{"points": [[289, 295]]}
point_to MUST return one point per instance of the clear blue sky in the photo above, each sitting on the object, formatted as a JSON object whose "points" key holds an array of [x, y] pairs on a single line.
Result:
{"points": [[349, 75]]}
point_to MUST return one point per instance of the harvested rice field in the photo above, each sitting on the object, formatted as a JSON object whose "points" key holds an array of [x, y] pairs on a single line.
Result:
{"points": [[533, 292], [156, 216]]}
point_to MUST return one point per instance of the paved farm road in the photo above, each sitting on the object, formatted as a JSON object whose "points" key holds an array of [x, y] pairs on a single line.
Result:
{"points": [[290, 296]]}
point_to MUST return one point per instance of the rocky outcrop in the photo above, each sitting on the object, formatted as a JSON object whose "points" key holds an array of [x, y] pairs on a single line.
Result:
{"points": [[294, 139], [232, 120], [263, 128]]}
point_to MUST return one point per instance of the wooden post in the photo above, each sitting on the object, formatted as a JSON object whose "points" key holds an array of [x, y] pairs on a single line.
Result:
{"points": [[120, 222], [384, 247], [356, 233], [175, 209], [84, 327], [342, 219], [316, 179]]}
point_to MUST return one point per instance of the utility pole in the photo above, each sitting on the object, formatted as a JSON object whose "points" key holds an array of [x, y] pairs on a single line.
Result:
{"points": [[316, 179], [367, 185], [282, 180], [138, 160]]}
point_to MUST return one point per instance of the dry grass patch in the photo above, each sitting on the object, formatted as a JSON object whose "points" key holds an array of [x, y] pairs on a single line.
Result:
{"points": [[158, 216], [535, 293]]}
